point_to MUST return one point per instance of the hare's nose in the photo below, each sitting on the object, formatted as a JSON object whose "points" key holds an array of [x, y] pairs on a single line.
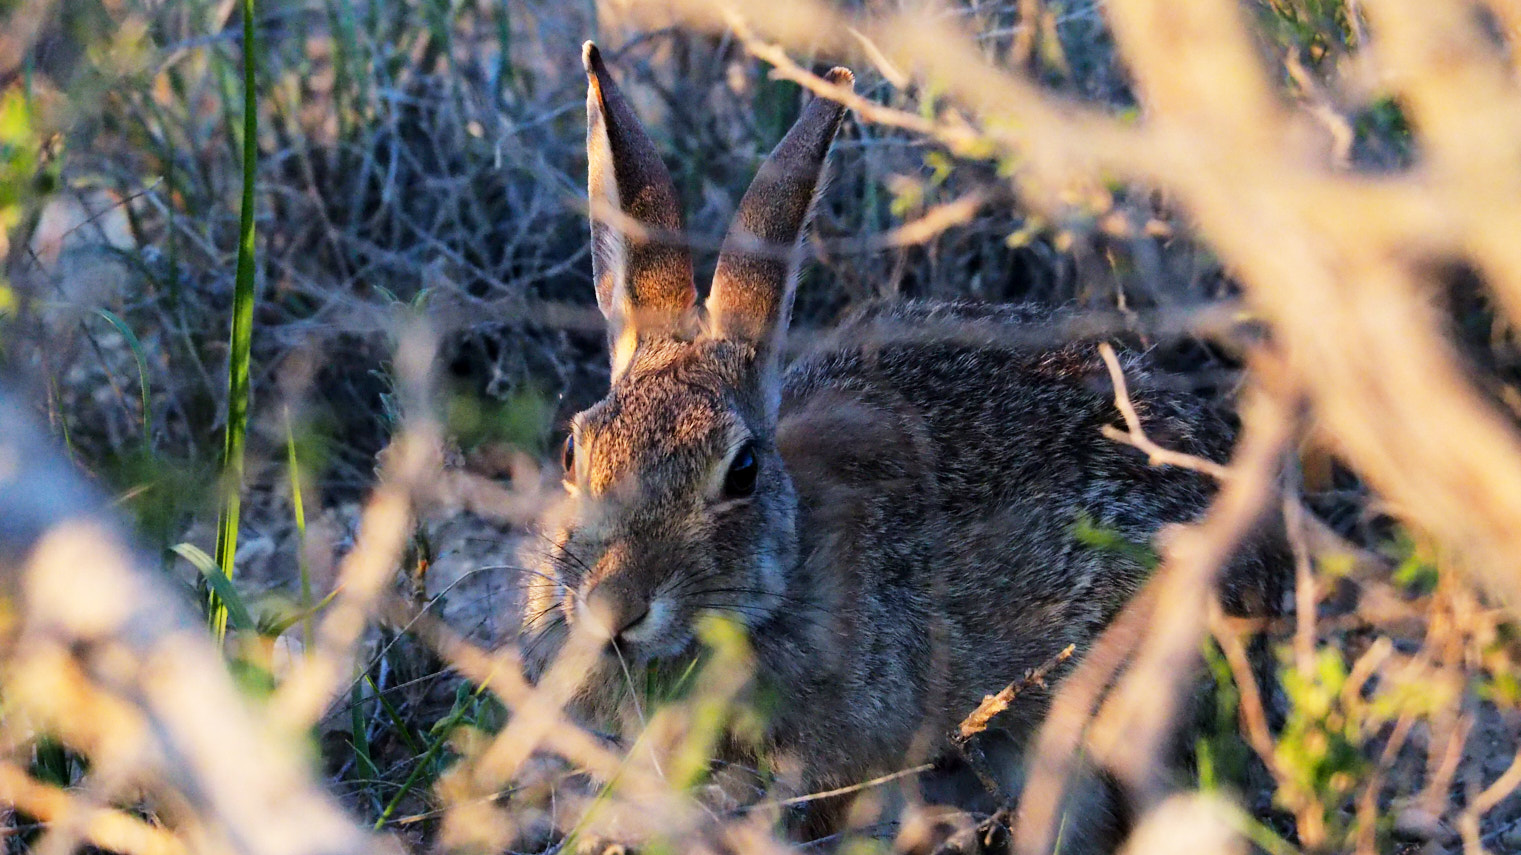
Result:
{"points": [[612, 613]]}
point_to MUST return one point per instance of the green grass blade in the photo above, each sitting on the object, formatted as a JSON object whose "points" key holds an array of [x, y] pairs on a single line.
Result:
{"points": [[51, 763], [440, 739], [298, 507], [504, 69], [346, 95], [395, 716], [142, 369], [359, 740], [55, 406], [276, 625], [236, 610], [241, 336]]}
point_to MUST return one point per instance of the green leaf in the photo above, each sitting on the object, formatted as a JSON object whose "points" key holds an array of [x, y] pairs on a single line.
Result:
{"points": [[221, 586]]}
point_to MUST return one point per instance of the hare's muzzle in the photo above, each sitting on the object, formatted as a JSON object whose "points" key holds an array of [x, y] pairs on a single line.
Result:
{"points": [[620, 615]]}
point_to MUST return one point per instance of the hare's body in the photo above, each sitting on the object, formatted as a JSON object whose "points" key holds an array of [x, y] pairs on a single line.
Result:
{"points": [[896, 518], [942, 486]]}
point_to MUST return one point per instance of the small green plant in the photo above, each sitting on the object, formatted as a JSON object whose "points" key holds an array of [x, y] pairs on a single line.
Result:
{"points": [[522, 421], [1318, 30], [714, 705], [1416, 571], [472, 708], [24, 173], [1221, 755], [1320, 750], [1105, 539], [236, 612]]}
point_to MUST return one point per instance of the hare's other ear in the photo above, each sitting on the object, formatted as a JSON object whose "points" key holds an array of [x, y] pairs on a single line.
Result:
{"points": [[757, 270], [642, 272]]}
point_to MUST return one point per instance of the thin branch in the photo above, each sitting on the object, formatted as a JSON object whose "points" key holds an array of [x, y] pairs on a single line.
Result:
{"points": [[847, 790], [1135, 435], [992, 705], [1254, 723]]}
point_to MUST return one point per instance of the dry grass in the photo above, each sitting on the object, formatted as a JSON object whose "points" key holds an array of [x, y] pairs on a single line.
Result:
{"points": [[1306, 208]]}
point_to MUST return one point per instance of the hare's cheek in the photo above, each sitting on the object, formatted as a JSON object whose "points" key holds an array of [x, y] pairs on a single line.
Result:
{"points": [[771, 575]]}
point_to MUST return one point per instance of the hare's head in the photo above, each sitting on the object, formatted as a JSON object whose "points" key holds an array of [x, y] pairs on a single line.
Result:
{"points": [[676, 499]]}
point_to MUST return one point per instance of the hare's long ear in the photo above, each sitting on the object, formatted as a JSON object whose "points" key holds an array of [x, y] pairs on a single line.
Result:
{"points": [[642, 272], [757, 270]]}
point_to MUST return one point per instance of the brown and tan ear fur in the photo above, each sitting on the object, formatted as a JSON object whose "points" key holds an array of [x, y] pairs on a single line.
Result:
{"points": [[643, 273], [756, 277]]}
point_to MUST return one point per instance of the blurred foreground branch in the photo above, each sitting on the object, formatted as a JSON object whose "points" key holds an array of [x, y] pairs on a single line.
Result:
{"points": [[127, 676], [103, 828]]}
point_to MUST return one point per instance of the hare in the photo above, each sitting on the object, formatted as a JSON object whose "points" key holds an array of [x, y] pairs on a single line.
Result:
{"points": [[892, 517]]}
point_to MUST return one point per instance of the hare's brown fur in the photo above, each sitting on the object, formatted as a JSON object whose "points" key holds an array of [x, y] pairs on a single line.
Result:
{"points": [[910, 542]]}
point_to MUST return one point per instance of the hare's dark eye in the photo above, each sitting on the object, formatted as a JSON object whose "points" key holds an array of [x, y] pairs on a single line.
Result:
{"points": [[568, 454], [740, 482]]}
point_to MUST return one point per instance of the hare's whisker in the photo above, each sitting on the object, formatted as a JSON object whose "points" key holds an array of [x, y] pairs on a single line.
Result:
{"points": [[761, 592], [531, 575]]}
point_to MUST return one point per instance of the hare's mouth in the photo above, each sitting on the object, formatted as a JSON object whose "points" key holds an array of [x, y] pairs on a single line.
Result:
{"points": [[652, 631]]}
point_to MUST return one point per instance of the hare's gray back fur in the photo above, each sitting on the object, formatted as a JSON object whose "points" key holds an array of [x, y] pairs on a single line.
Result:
{"points": [[941, 487]]}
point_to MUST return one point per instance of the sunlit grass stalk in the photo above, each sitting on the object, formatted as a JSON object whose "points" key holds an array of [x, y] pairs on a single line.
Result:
{"points": [[298, 507], [55, 401], [241, 336]]}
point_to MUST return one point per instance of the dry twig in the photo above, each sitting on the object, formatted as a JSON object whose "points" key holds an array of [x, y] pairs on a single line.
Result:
{"points": [[977, 720], [1135, 435]]}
